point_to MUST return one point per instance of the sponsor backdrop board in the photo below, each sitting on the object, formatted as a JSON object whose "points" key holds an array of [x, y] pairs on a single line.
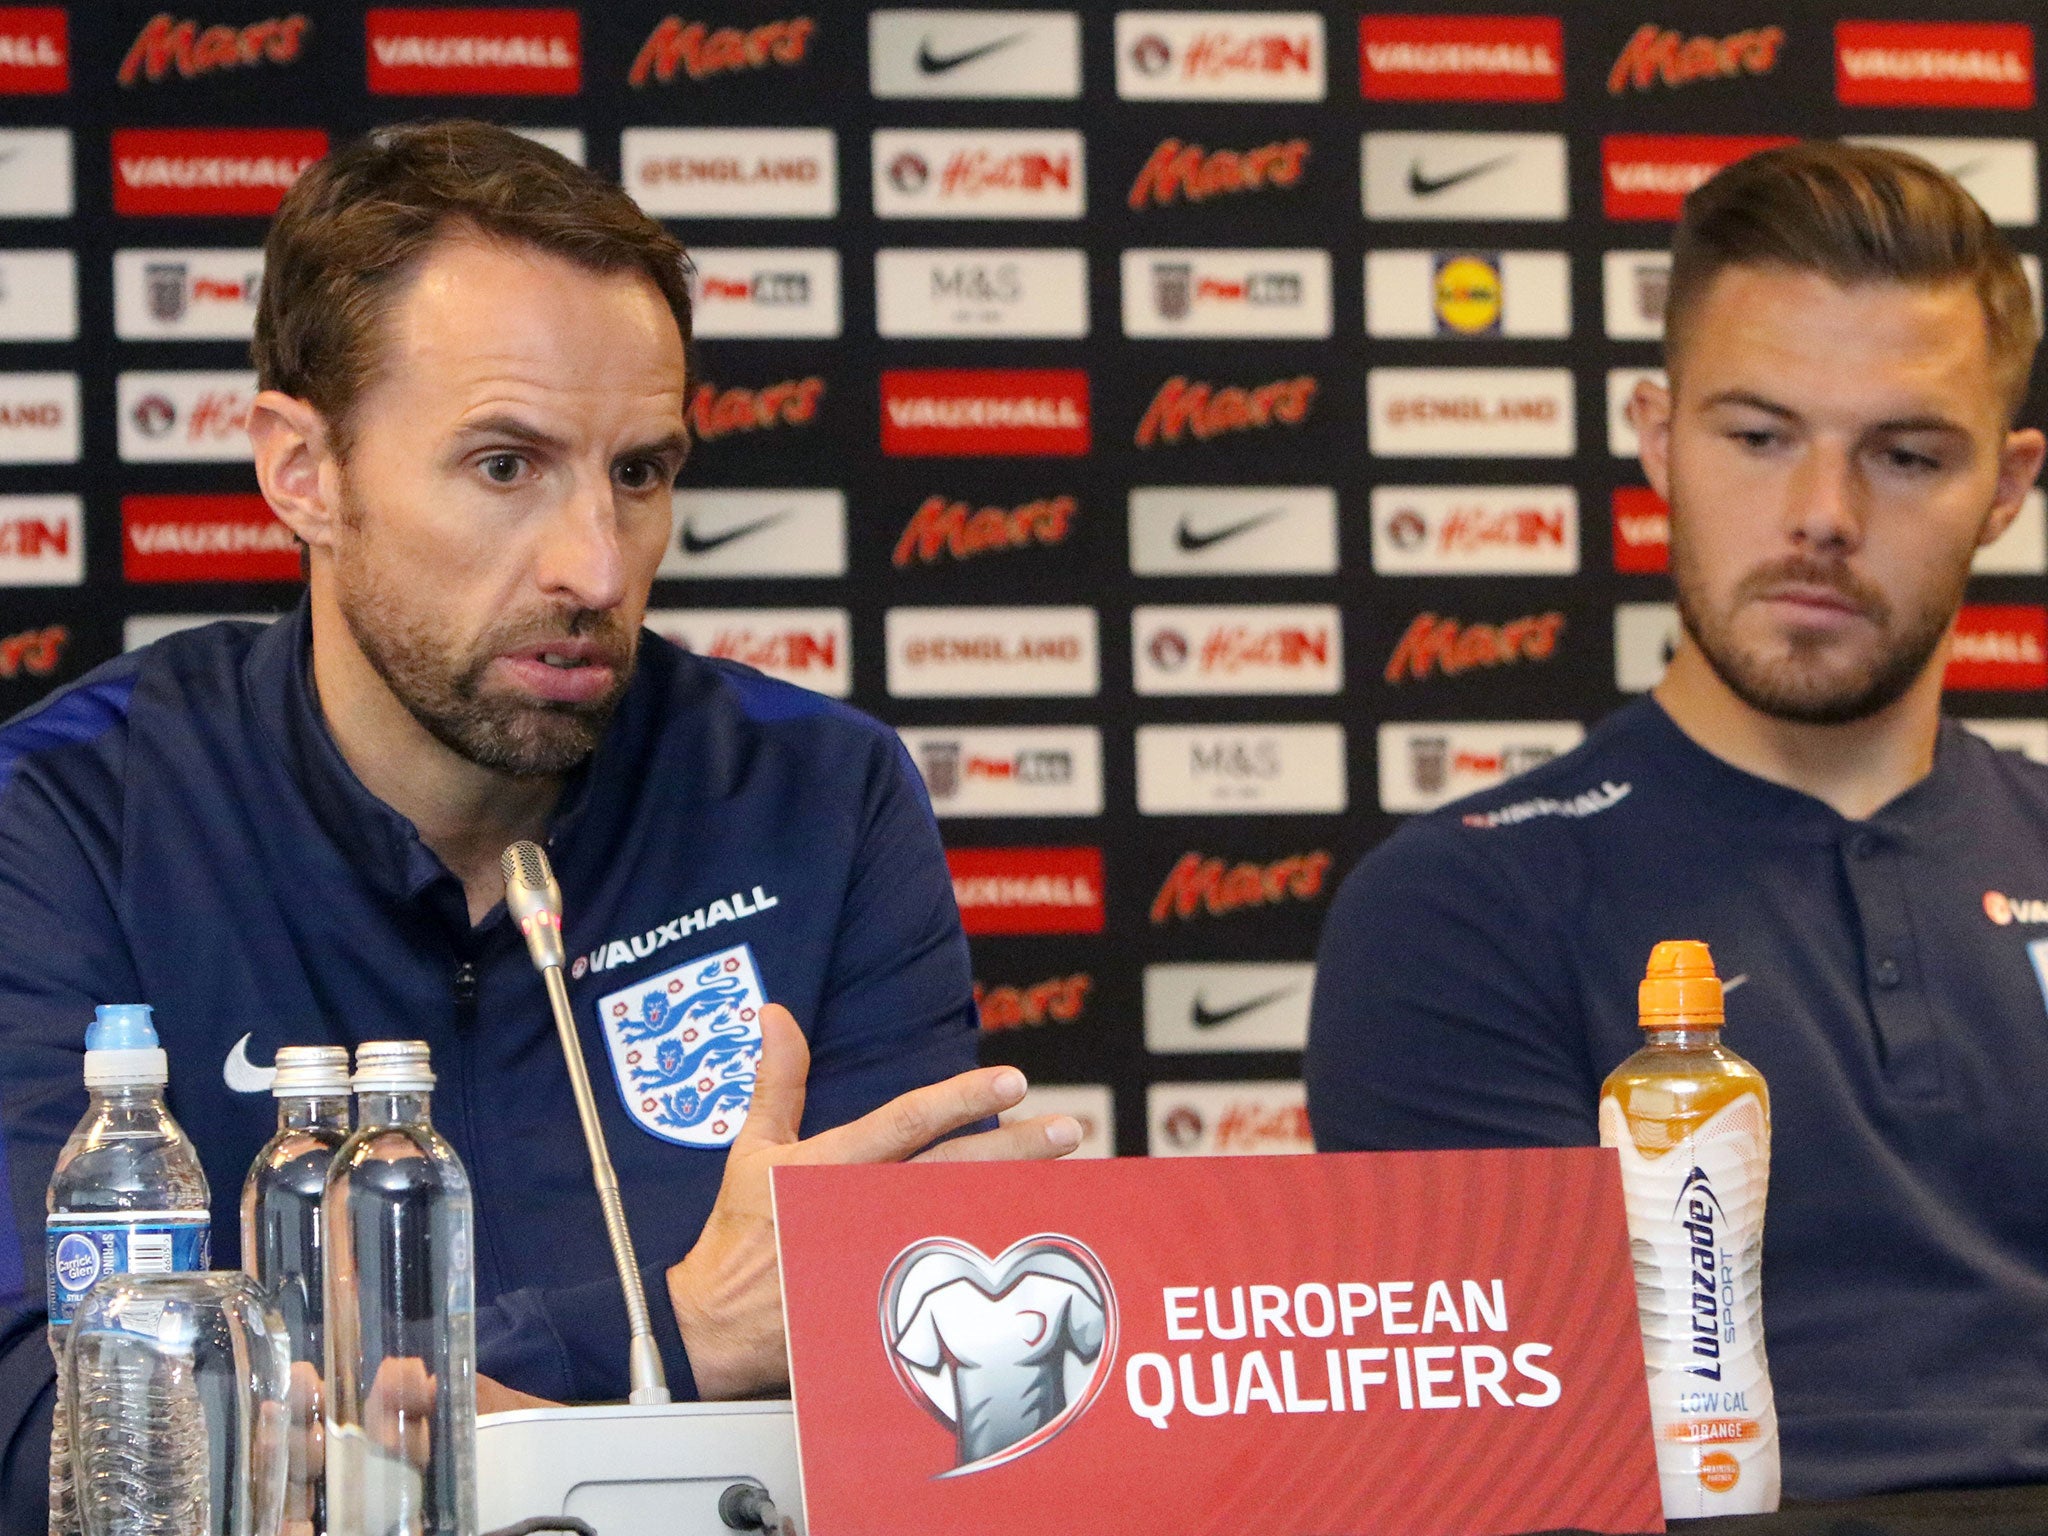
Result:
{"points": [[1197, 430]]}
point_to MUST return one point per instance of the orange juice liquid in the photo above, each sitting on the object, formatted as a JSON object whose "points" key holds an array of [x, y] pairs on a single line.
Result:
{"points": [[1667, 1094], [1691, 1120]]}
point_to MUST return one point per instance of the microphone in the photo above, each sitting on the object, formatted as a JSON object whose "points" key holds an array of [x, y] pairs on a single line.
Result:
{"points": [[535, 901]]}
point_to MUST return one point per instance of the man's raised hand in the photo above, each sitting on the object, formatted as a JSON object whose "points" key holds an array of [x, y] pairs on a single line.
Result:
{"points": [[727, 1292]]}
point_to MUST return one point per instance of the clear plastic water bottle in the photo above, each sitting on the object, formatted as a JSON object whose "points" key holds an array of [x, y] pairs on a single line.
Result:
{"points": [[283, 1243], [128, 1196], [180, 1384], [401, 1313]]}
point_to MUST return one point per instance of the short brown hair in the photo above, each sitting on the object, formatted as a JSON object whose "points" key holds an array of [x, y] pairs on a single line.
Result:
{"points": [[355, 226], [1855, 214]]}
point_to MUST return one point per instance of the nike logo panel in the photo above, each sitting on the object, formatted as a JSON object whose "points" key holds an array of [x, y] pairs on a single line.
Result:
{"points": [[1192, 541], [1429, 186], [929, 63], [1204, 1017], [694, 543]]}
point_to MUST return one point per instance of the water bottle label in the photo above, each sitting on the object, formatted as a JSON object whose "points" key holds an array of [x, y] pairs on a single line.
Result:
{"points": [[1695, 1221], [78, 1250]]}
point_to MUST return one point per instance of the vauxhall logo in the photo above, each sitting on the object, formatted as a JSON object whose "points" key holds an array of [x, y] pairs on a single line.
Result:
{"points": [[726, 909]]}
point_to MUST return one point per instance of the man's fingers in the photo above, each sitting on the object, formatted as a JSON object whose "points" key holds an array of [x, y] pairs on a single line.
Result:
{"points": [[1041, 1136], [778, 1108], [914, 1120]]}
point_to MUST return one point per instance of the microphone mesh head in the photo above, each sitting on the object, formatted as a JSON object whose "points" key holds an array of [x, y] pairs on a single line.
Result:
{"points": [[526, 863]]}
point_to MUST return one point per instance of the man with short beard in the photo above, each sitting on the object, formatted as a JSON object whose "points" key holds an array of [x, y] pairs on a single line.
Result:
{"points": [[472, 360], [1848, 341]]}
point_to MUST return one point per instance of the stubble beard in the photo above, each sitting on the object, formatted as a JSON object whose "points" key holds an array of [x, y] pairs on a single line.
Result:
{"points": [[441, 684], [1806, 683]]}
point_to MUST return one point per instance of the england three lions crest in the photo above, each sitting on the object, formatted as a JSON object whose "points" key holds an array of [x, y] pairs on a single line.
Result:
{"points": [[685, 1047]]}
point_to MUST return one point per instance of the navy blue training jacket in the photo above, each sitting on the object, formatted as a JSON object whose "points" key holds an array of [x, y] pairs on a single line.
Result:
{"points": [[178, 828], [1889, 977]]}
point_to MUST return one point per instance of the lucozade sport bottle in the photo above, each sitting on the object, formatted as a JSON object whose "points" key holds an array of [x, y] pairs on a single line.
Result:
{"points": [[1692, 1122]]}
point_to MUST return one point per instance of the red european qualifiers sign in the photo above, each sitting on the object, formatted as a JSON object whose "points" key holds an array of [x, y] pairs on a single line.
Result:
{"points": [[1407, 1343]]}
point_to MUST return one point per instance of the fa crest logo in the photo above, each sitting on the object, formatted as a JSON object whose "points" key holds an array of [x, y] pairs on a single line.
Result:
{"points": [[685, 1047]]}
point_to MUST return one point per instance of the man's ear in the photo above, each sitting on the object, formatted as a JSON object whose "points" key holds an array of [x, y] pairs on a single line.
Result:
{"points": [[295, 465], [1649, 412], [2019, 465]]}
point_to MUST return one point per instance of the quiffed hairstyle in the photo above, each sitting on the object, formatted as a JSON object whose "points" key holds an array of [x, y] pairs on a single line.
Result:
{"points": [[1855, 214], [355, 226]]}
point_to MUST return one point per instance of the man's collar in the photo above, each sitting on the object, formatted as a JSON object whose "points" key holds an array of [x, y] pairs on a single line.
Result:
{"points": [[1746, 799]]}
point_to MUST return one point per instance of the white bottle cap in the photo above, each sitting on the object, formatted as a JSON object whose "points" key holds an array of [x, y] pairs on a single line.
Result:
{"points": [[311, 1072], [393, 1066]]}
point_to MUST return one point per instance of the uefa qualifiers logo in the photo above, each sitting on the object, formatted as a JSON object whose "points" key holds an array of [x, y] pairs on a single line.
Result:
{"points": [[1005, 1352]]}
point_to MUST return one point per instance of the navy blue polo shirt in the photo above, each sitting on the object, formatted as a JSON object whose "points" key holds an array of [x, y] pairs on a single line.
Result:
{"points": [[1477, 981], [179, 828]]}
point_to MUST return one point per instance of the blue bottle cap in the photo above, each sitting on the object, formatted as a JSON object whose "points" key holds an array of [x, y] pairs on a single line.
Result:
{"points": [[120, 1027]]}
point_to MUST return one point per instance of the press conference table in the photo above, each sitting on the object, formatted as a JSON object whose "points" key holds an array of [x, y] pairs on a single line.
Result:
{"points": [[2021, 1511]]}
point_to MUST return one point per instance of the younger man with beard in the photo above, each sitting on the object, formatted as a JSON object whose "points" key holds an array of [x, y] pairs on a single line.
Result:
{"points": [[472, 360], [1848, 340]]}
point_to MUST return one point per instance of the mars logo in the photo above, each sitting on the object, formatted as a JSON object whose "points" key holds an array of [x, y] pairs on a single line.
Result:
{"points": [[166, 43], [700, 52], [1198, 884], [1433, 643], [1177, 170], [716, 413], [1060, 1000], [33, 652], [1205, 411], [939, 525], [1656, 53], [685, 1046], [1005, 1352]]}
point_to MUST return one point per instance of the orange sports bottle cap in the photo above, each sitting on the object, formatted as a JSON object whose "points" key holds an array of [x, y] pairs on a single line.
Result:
{"points": [[1680, 989]]}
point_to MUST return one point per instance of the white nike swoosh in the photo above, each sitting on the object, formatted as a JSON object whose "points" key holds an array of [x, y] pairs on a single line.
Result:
{"points": [[243, 1075], [1733, 982]]}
